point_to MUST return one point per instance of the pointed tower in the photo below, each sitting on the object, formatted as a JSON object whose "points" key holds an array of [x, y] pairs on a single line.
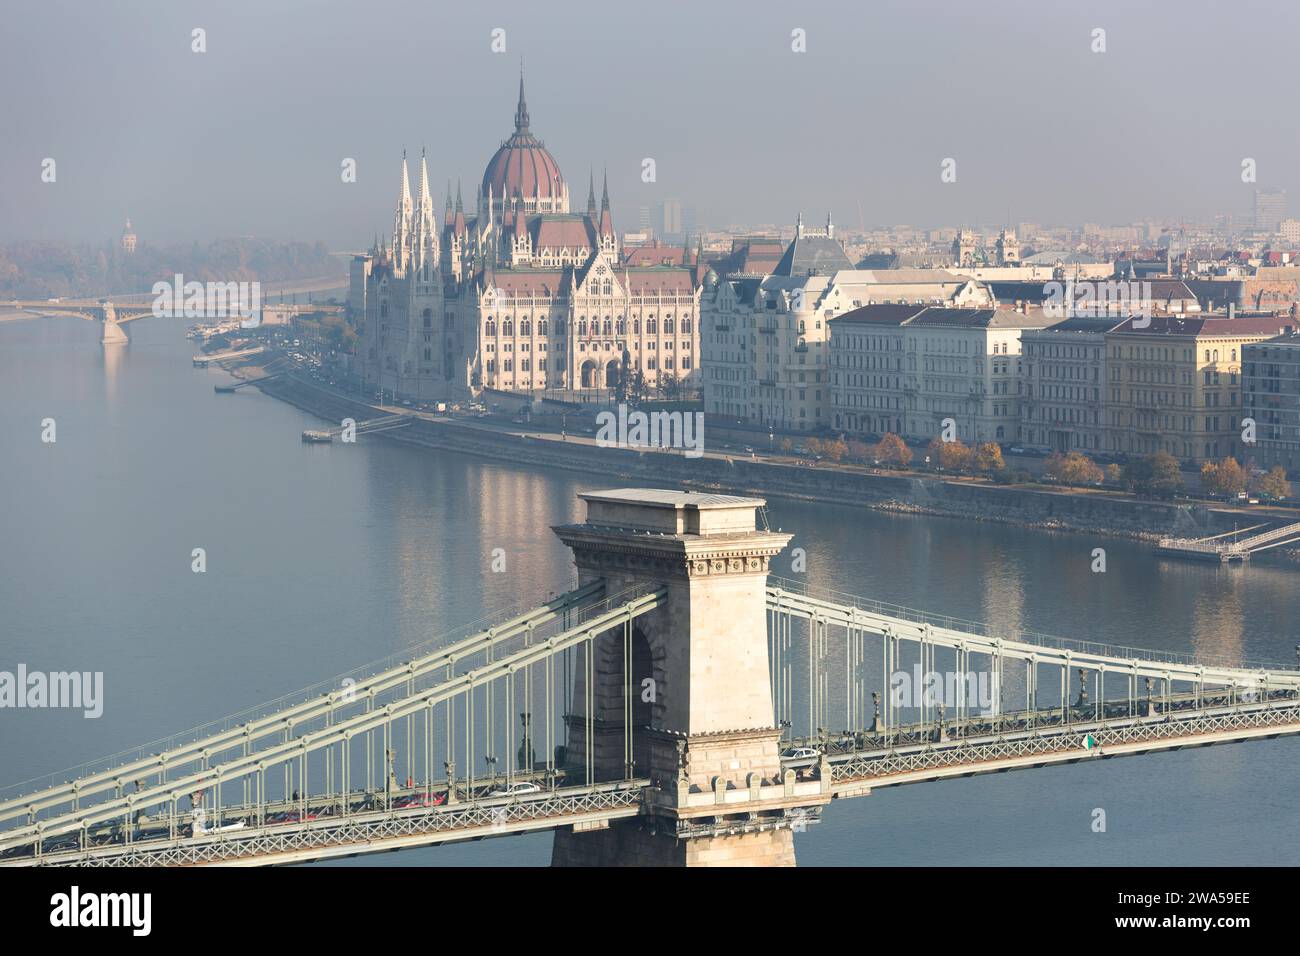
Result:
{"points": [[521, 111], [608, 243], [591, 196], [426, 230], [403, 223]]}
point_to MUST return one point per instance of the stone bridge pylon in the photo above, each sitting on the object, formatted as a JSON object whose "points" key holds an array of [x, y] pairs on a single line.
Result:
{"points": [[700, 716]]}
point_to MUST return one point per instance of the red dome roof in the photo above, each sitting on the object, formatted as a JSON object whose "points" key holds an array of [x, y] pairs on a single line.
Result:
{"points": [[523, 164]]}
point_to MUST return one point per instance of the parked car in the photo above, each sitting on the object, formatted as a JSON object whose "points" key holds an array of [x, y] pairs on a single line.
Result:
{"points": [[516, 789], [801, 753], [420, 800]]}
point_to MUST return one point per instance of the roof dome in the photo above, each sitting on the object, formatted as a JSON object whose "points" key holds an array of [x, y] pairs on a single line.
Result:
{"points": [[523, 165]]}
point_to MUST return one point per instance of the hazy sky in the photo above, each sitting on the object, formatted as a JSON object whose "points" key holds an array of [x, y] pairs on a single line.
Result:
{"points": [[247, 138]]}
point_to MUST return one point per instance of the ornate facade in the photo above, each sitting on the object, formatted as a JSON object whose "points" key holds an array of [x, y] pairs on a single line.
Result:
{"points": [[523, 296]]}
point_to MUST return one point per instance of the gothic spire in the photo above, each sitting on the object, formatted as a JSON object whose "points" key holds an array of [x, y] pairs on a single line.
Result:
{"points": [[591, 194], [402, 220], [521, 111], [604, 199], [426, 232], [424, 179]]}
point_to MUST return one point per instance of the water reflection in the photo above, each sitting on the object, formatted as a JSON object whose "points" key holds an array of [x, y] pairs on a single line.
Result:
{"points": [[323, 558]]}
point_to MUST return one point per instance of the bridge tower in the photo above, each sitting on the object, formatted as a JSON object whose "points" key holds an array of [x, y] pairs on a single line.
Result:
{"points": [[702, 725], [113, 334]]}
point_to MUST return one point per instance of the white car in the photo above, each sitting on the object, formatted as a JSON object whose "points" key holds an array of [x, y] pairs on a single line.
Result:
{"points": [[802, 753], [516, 789]]}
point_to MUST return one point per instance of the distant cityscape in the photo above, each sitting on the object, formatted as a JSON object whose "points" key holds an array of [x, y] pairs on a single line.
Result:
{"points": [[1176, 337]]}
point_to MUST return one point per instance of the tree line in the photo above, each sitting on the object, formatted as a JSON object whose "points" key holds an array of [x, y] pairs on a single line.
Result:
{"points": [[1157, 475]]}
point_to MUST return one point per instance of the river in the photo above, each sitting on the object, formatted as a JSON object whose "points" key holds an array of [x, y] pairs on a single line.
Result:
{"points": [[320, 558]]}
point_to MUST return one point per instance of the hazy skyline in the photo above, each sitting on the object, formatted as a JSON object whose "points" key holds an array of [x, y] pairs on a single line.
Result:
{"points": [[247, 138]]}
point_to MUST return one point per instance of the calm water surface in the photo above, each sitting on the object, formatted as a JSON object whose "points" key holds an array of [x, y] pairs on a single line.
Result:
{"points": [[324, 558]]}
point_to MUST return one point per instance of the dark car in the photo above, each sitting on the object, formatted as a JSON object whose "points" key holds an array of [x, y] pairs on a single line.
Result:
{"points": [[420, 800]]}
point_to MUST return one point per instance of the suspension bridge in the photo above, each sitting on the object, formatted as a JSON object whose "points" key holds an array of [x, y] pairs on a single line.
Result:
{"points": [[680, 706]]}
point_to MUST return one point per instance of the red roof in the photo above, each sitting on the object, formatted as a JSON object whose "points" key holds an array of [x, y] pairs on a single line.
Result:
{"points": [[563, 233], [650, 281]]}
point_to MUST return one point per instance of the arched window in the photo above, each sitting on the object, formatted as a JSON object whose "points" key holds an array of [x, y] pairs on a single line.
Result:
{"points": [[636, 326], [608, 328], [525, 327], [622, 326], [560, 325], [489, 328], [508, 327], [651, 326], [686, 325], [428, 318], [582, 326], [668, 325], [541, 327], [383, 309]]}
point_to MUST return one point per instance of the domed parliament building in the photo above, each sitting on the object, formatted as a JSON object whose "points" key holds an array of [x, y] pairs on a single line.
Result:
{"points": [[521, 294]]}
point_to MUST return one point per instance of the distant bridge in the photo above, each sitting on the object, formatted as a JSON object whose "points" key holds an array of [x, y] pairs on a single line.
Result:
{"points": [[676, 707], [118, 310]]}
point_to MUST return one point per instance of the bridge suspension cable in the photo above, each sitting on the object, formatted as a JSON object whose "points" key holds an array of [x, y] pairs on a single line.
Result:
{"points": [[327, 733], [276, 721]]}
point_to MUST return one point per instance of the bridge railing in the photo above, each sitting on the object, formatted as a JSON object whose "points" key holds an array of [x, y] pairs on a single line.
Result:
{"points": [[500, 624], [1020, 634], [321, 755]]}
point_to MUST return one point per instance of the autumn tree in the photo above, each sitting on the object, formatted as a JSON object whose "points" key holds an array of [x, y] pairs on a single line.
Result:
{"points": [[989, 458], [892, 450], [1073, 469], [1223, 478], [834, 449], [1274, 484], [950, 455]]}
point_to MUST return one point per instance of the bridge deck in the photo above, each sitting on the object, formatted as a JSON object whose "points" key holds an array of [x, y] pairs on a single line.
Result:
{"points": [[94, 820]]}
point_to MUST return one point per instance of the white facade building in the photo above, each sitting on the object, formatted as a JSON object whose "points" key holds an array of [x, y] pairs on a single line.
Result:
{"points": [[765, 338], [935, 370]]}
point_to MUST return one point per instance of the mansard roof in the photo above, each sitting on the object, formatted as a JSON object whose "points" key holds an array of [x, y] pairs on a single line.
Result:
{"points": [[885, 313], [656, 254], [813, 255]]}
